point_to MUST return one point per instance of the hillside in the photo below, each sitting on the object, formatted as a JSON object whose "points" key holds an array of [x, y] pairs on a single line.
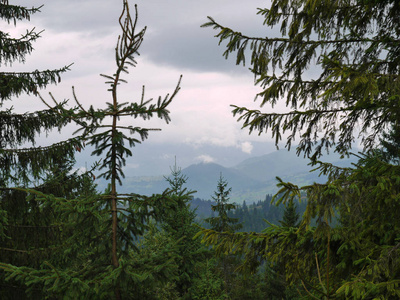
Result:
{"points": [[250, 179]]}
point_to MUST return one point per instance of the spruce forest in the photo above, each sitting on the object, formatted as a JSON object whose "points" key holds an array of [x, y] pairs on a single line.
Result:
{"points": [[63, 238]]}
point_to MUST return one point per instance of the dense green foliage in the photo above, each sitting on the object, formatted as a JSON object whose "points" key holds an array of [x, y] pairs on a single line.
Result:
{"points": [[97, 237], [120, 268], [335, 66], [180, 227], [33, 232], [221, 221], [351, 47], [24, 165], [37, 232], [253, 216]]}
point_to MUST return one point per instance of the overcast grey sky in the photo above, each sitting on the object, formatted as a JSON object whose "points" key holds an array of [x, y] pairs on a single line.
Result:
{"points": [[84, 32]]}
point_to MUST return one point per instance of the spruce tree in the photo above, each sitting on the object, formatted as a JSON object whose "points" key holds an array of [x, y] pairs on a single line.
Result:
{"points": [[25, 165], [290, 216], [37, 232], [101, 257], [31, 231], [127, 215], [223, 223], [335, 66], [276, 285], [179, 224]]}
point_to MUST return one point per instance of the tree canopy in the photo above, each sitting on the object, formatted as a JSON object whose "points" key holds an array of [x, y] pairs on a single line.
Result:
{"points": [[19, 163], [33, 232], [335, 65], [222, 221], [99, 254]]}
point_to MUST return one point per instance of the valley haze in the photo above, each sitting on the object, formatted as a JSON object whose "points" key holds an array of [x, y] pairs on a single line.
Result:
{"points": [[251, 176]]}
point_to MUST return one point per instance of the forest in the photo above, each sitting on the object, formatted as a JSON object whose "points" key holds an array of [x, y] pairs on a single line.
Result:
{"points": [[63, 238]]}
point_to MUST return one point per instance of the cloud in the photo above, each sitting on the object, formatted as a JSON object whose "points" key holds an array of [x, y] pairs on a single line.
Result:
{"points": [[85, 33], [174, 37], [95, 17], [246, 147], [205, 158], [182, 43]]}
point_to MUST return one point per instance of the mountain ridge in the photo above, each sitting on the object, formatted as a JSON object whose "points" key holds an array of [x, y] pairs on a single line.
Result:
{"points": [[251, 179]]}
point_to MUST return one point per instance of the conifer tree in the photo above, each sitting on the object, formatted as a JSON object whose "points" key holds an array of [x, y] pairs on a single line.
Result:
{"points": [[180, 227], [128, 212], [101, 259], [31, 231], [27, 164], [36, 232], [290, 216], [336, 68], [223, 223], [352, 84], [275, 275]]}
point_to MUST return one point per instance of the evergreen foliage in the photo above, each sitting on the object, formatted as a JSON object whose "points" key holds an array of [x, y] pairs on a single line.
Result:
{"points": [[209, 285], [157, 263], [126, 215], [351, 47], [100, 253], [22, 165], [391, 143], [180, 227], [222, 221], [336, 65], [36, 232], [277, 287], [290, 215], [253, 217], [16, 49], [352, 50], [33, 232]]}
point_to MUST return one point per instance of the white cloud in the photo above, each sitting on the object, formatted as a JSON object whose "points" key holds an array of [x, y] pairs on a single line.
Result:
{"points": [[201, 113], [205, 158], [246, 147], [81, 170]]}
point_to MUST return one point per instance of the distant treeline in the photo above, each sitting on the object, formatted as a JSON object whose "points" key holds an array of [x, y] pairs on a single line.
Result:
{"points": [[252, 216]]}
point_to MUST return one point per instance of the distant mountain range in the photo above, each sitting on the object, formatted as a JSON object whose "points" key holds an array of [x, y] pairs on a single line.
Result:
{"points": [[251, 180]]}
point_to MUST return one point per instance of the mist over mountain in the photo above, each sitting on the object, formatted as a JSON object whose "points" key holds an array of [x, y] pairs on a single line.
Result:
{"points": [[251, 179], [154, 159]]}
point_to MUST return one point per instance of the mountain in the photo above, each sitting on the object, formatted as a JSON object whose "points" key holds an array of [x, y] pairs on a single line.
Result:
{"points": [[154, 159], [203, 178], [250, 180], [278, 163]]}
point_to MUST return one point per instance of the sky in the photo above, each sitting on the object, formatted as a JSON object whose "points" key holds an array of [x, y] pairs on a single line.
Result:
{"points": [[85, 33]]}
